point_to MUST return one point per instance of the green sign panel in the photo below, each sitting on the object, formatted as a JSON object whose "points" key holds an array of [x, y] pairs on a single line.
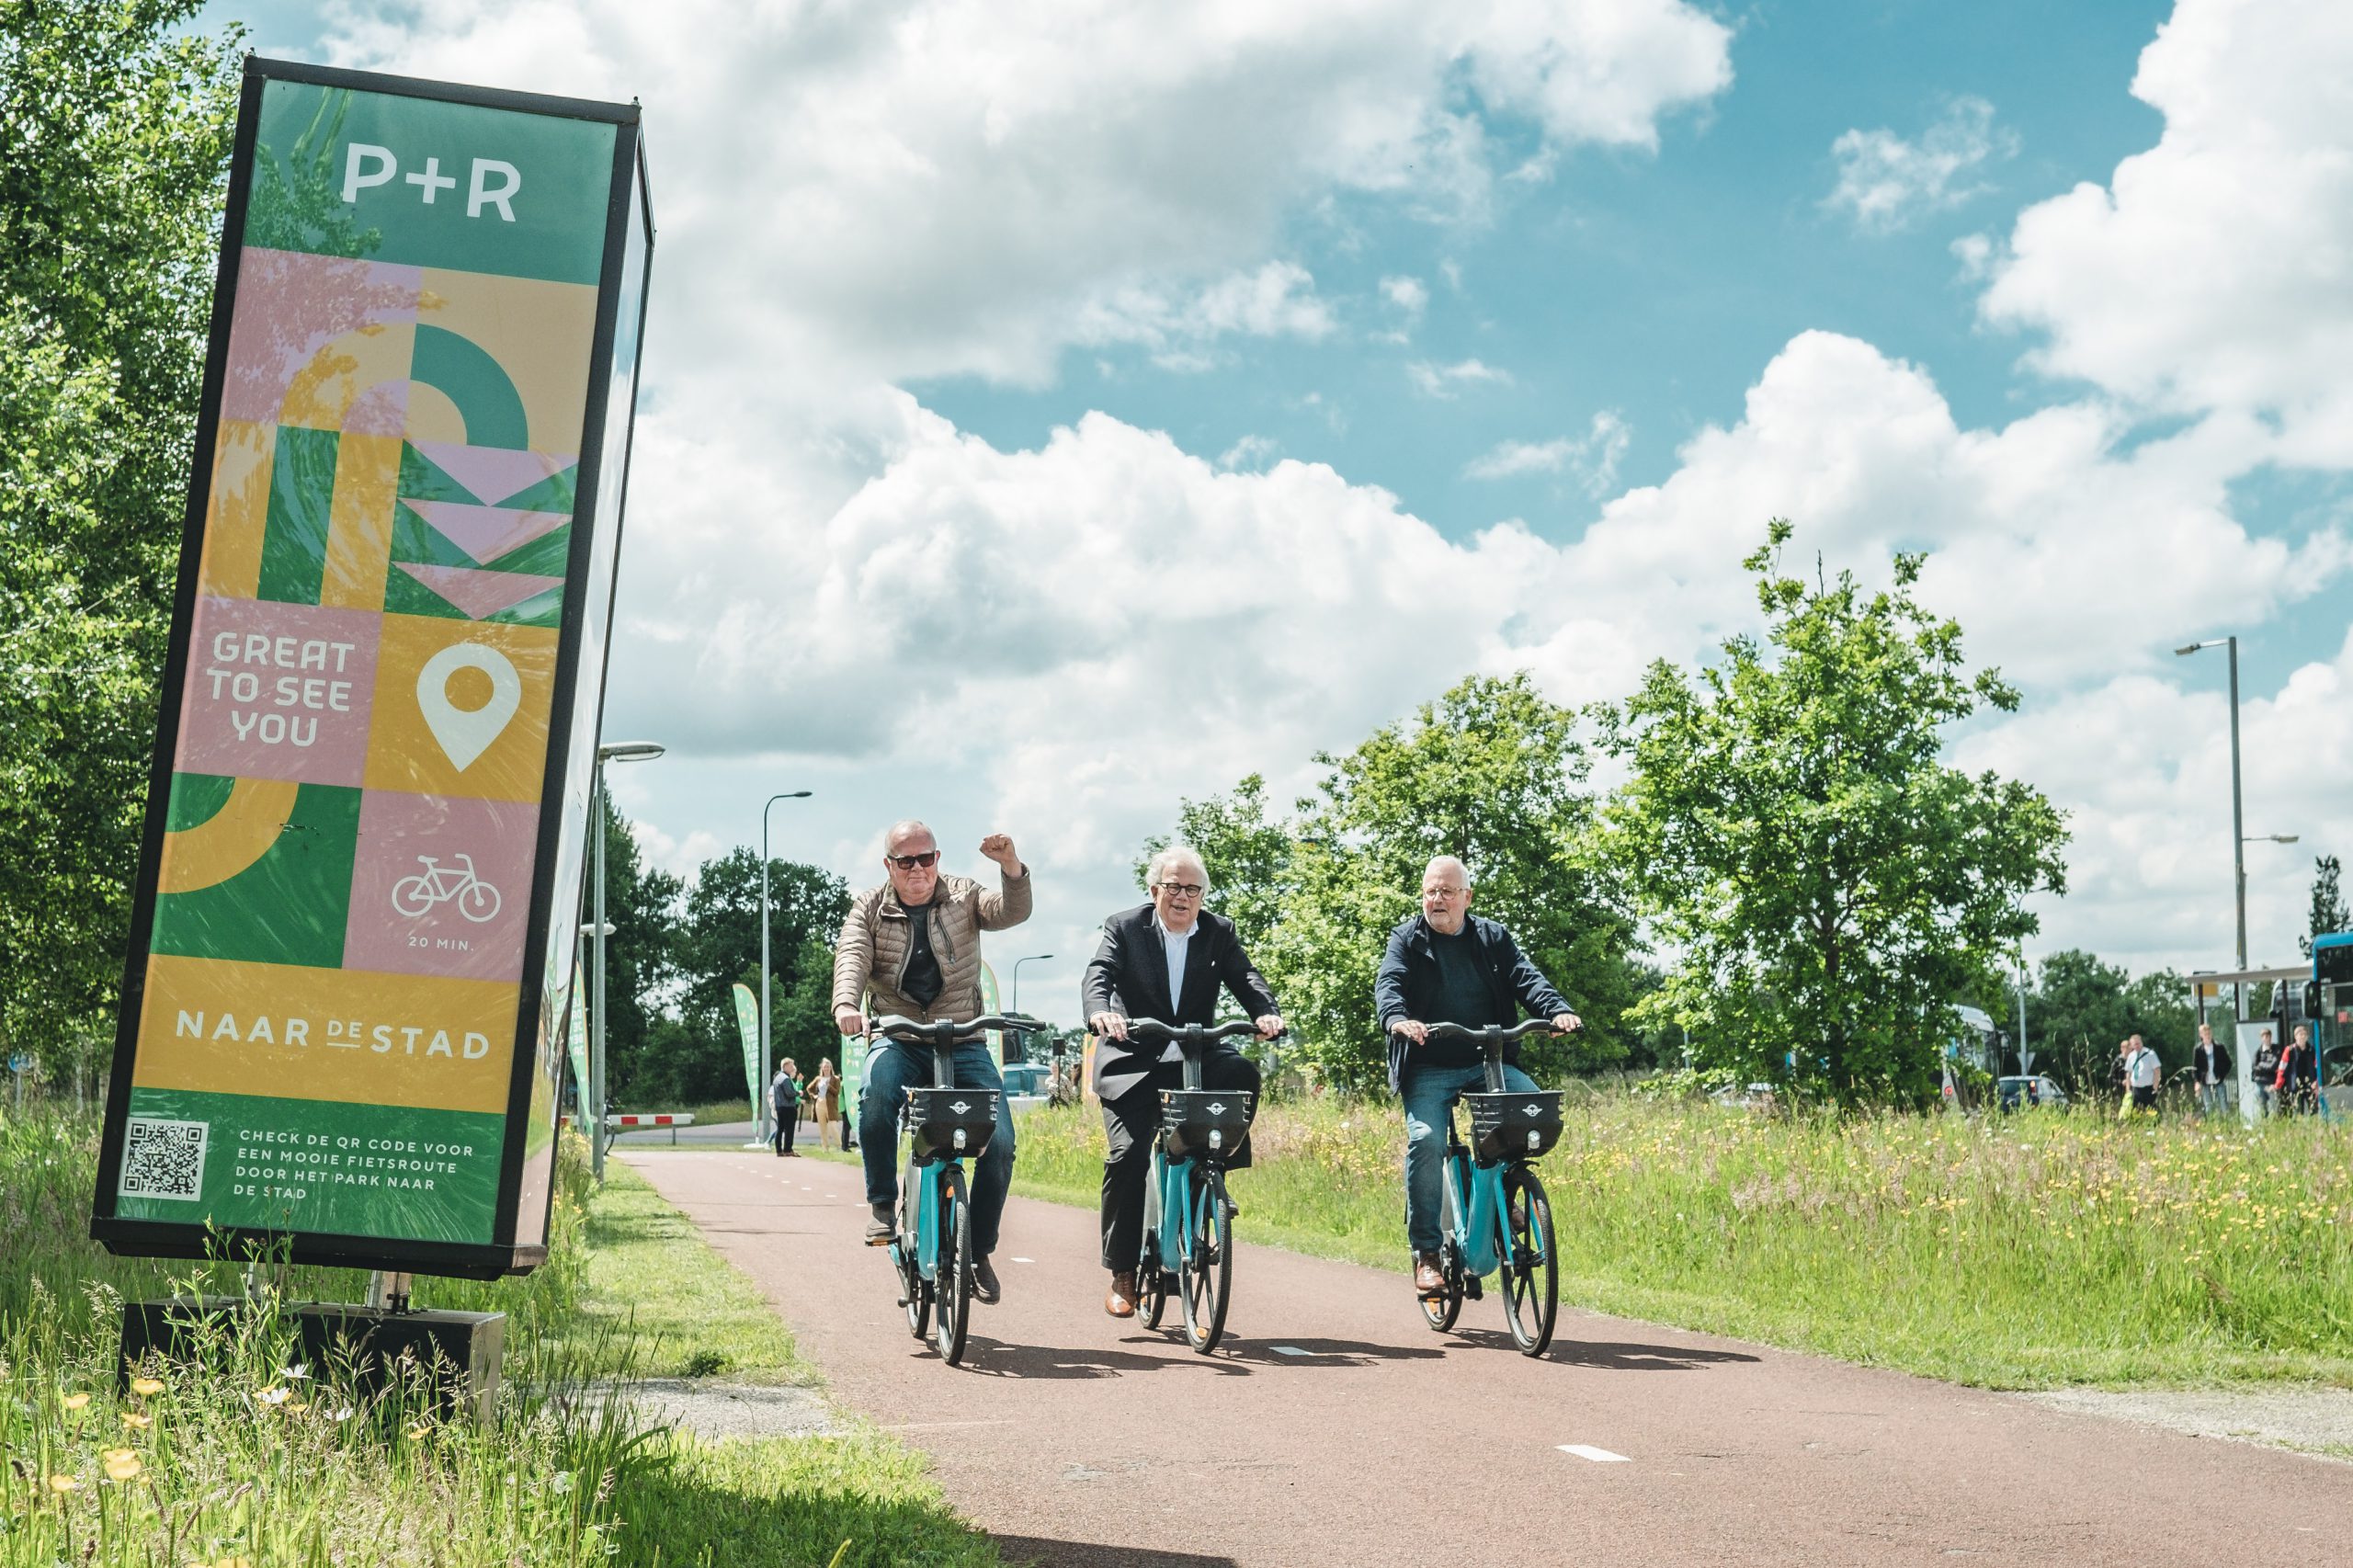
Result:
{"points": [[356, 929], [747, 1021]]}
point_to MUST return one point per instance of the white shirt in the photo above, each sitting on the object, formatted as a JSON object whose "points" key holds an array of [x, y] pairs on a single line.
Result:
{"points": [[1175, 942], [2141, 1069]]}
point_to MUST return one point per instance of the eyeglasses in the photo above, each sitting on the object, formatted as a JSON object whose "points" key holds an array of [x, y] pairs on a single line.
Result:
{"points": [[1181, 890], [909, 862], [1444, 893]]}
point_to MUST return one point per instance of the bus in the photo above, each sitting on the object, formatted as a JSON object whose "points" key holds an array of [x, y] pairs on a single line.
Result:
{"points": [[2328, 1007]]}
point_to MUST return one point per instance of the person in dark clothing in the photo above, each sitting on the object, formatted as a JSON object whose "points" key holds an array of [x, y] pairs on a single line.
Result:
{"points": [[1446, 965], [784, 1101], [2265, 1069], [2209, 1065], [2299, 1091], [1166, 960]]}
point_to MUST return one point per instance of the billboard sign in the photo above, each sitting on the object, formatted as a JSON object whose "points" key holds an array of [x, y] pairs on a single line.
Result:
{"points": [[747, 1024], [356, 912]]}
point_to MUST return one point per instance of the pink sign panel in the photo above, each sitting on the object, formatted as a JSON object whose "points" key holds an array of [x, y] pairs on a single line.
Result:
{"points": [[442, 886], [278, 691]]}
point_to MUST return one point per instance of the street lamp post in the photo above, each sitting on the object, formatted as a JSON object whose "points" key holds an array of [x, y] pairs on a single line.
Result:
{"points": [[1013, 1003], [2238, 812], [620, 751], [763, 1111]]}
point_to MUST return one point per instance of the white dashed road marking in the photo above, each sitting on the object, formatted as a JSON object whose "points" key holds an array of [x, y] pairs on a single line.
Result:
{"points": [[1598, 1456]]}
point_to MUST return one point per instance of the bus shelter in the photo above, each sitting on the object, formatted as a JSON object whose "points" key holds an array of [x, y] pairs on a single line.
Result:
{"points": [[2294, 1001]]}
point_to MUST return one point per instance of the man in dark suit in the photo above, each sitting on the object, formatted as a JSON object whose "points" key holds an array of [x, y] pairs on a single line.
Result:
{"points": [[1164, 960]]}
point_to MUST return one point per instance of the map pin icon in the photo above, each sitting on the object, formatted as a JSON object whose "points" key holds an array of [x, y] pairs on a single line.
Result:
{"points": [[465, 735]]}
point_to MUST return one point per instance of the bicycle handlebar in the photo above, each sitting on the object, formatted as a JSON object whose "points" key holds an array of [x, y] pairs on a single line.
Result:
{"points": [[1194, 1035], [944, 1031], [1496, 1033]]}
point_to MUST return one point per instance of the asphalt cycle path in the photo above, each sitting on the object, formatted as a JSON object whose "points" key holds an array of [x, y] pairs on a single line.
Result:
{"points": [[1331, 1426]]}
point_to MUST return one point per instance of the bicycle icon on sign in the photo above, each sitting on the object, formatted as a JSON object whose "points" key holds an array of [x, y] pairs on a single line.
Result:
{"points": [[476, 899]]}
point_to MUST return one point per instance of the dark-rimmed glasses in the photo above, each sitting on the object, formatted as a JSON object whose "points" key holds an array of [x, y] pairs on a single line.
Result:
{"points": [[909, 862], [1181, 890]]}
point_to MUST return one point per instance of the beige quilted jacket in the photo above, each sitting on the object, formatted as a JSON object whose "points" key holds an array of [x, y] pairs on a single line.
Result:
{"points": [[872, 953]]}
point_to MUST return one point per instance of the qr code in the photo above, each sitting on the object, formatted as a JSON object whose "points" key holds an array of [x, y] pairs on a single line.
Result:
{"points": [[163, 1159]]}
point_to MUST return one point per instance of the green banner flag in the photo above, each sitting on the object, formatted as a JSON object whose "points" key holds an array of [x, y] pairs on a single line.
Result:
{"points": [[747, 1018], [853, 1076]]}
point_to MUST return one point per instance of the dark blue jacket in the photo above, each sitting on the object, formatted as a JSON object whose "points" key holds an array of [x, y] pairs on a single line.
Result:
{"points": [[1407, 986]]}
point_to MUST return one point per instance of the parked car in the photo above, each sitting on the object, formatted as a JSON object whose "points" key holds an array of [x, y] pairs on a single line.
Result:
{"points": [[2031, 1092], [1026, 1084]]}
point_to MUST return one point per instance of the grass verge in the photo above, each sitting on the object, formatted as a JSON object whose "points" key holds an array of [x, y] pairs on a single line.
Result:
{"points": [[243, 1459], [2025, 1252]]}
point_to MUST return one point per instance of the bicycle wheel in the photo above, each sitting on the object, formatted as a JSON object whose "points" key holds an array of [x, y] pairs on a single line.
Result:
{"points": [[1151, 1279], [955, 1267], [1440, 1310], [1530, 1273], [1207, 1275], [915, 1291]]}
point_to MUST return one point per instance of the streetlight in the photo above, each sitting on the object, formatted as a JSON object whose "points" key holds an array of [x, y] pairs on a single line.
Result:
{"points": [[618, 751], [761, 1112], [1014, 1004], [2238, 816]]}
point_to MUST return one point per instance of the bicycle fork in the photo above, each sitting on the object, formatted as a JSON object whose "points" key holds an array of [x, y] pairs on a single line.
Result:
{"points": [[1174, 1179]]}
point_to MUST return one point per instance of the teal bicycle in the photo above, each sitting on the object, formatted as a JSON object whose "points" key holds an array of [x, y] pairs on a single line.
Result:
{"points": [[1188, 1230], [1498, 1220], [933, 1251]]}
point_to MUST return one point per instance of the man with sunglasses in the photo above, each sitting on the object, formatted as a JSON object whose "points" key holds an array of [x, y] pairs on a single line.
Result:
{"points": [[1448, 966], [1165, 959], [912, 946]]}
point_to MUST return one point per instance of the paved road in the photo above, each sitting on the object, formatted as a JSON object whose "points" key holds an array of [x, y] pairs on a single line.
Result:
{"points": [[1336, 1428]]}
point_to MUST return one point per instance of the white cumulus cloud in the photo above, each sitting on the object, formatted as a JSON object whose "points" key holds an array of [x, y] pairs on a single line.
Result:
{"points": [[1886, 182]]}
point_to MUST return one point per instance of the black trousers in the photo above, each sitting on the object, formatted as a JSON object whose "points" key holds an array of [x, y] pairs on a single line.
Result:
{"points": [[788, 1123], [1130, 1123]]}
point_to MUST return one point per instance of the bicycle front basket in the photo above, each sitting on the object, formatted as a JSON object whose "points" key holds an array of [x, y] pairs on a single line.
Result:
{"points": [[1517, 1127], [1204, 1121], [951, 1122]]}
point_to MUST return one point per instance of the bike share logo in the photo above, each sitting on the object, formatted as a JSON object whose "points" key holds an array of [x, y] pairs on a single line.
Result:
{"points": [[418, 895]]}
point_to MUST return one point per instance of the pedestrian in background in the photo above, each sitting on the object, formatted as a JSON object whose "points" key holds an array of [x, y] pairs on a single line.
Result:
{"points": [[2265, 1070], [2142, 1072], [826, 1094], [2299, 1092], [2209, 1065], [784, 1102]]}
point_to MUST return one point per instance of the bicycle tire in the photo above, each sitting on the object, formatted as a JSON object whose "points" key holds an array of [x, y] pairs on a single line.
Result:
{"points": [[955, 1267], [478, 895], [1152, 1279], [916, 1289], [1207, 1276], [1530, 1273], [1440, 1310]]}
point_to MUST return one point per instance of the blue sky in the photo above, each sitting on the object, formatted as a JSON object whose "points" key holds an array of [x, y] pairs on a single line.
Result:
{"points": [[1052, 411]]}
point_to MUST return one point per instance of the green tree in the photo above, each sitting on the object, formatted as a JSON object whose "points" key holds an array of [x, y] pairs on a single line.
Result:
{"points": [[1492, 773], [2327, 915], [114, 135], [1829, 886], [719, 948], [641, 957]]}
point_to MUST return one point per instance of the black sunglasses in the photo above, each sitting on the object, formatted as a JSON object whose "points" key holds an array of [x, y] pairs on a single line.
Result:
{"points": [[909, 862]]}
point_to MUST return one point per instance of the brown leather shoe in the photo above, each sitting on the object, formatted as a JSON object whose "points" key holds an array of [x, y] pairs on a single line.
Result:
{"points": [[1428, 1280], [1121, 1301]]}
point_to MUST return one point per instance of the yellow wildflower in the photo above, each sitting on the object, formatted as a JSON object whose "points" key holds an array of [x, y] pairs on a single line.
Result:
{"points": [[64, 1483], [137, 1421], [122, 1464], [143, 1387], [77, 1401]]}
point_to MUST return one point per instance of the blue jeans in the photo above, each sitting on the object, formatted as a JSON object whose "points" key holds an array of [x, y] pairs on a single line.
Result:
{"points": [[1429, 1092], [891, 1067]]}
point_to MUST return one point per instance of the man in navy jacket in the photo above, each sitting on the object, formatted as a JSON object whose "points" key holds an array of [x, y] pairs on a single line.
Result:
{"points": [[1166, 960], [1448, 966]]}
